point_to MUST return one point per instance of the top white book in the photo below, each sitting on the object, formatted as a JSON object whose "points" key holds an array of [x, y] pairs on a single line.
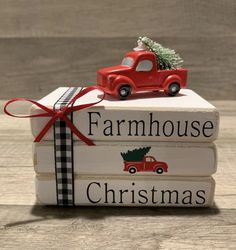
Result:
{"points": [[144, 117]]}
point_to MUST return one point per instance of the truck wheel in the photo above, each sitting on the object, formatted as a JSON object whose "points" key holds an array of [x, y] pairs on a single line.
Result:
{"points": [[132, 170], [124, 92], [173, 89], [159, 170]]}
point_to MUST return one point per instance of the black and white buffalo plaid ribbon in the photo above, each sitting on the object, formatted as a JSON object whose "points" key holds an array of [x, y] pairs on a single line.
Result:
{"points": [[63, 149]]}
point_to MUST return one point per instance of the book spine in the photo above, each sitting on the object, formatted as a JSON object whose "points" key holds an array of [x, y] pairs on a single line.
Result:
{"points": [[138, 125], [177, 159], [108, 191]]}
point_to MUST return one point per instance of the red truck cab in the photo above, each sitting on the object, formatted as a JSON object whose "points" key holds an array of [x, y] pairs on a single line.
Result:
{"points": [[148, 164], [139, 72]]}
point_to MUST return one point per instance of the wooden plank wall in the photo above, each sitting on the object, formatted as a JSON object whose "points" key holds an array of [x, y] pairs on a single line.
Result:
{"points": [[46, 44]]}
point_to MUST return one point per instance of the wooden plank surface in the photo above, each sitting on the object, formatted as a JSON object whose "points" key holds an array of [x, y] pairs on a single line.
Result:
{"points": [[77, 18], [47, 44], [24, 225], [116, 228]]}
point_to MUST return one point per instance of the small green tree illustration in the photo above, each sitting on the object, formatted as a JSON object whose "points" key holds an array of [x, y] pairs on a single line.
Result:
{"points": [[136, 154], [166, 58]]}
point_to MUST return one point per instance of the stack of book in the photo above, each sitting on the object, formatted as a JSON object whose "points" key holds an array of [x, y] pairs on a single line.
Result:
{"points": [[150, 150]]}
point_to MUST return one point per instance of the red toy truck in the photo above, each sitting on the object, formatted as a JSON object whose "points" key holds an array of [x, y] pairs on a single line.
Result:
{"points": [[148, 164], [139, 72]]}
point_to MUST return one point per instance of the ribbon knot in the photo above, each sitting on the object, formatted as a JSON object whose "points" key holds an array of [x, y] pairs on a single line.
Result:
{"points": [[59, 114]]}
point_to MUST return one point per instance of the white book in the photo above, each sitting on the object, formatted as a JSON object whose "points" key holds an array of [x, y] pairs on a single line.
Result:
{"points": [[159, 159], [127, 191], [148, 117]]}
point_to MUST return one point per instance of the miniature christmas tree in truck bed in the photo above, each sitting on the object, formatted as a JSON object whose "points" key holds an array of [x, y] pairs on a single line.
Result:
{"points": [[137, 161], [166, 58], [136, 154]]}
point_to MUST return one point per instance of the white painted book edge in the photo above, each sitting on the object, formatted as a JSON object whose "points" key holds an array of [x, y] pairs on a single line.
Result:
{"points": [[108, 191], [181, 159], [186, 117]]}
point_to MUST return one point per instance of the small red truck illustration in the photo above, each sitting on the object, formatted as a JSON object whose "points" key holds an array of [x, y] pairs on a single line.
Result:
{"points": [[139, 72], [148, 164]]}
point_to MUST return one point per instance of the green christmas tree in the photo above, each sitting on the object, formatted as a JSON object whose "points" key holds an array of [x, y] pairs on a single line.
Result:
{"points": [[166, 58], [136, 154]]}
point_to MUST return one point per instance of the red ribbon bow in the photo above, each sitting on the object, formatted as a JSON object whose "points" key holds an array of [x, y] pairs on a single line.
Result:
{"points": [[59, 114]]}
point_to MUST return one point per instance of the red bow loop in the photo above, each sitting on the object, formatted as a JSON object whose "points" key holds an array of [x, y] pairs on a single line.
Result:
{"points": [[59, 114]]}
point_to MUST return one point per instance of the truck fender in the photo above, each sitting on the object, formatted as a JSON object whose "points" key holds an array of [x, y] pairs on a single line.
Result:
{"points": [[123, 80], [162, 165], [132, 168], [170, 79]]}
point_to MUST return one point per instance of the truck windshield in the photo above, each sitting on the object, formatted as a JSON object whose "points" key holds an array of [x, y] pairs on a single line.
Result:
{"points": [[127, 61]]}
